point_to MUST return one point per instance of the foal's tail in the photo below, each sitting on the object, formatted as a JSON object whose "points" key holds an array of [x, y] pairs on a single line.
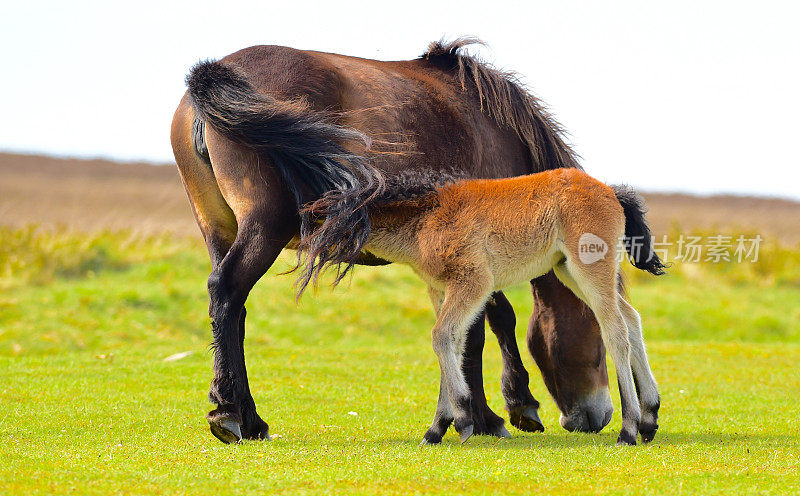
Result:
{"points": [[308, 149], [638, 240]]}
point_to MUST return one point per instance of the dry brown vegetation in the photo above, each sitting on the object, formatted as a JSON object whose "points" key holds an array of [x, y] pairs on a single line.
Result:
{"points": [[99, 194], [93, 194]]}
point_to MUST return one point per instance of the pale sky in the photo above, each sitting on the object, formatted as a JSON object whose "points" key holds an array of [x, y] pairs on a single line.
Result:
{"points": [[694, 96]]}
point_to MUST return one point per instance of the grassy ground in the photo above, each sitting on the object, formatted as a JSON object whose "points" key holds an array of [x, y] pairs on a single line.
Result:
{"points": [[347, 382]]}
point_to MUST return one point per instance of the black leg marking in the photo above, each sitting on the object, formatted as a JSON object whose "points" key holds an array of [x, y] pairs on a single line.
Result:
{"points": [[520, 403], [485, 421], [228, 286], [253, 427], [441, 419]]}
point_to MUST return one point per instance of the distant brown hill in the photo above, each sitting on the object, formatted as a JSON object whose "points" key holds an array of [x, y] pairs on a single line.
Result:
{"points": [[772, 218], [97, 194], [93, 194]]}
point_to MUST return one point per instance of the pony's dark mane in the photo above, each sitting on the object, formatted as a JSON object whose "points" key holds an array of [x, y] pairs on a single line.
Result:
{"points": [[505, 99]]}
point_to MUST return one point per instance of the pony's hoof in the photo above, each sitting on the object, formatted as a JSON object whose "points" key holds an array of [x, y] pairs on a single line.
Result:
{"points": [[466, 433], [648, 434], [257, 430], [226, 430], [526, 418], [430, 438], [626, 439], [501, 432]]}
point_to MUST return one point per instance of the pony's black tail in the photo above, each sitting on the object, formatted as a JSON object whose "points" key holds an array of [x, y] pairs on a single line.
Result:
{"points": [[638, 240], [308, 149]]}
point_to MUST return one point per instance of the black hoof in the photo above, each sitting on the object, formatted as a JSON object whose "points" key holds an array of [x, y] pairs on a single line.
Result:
{"points": [[501, 432], [648, 433], [626, 439], [255, 429], [526, 418], [431, 437], [226, 430]]}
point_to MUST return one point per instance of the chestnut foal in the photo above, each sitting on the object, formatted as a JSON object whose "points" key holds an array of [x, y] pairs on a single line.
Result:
{"points": [[469, 239]]}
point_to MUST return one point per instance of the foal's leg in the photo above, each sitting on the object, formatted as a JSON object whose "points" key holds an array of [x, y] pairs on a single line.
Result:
{"points": [[484, 420], [502, 322], [520, 403], [444, 411], [615, 335], [646, 386], [461, 304], [596, 285]]}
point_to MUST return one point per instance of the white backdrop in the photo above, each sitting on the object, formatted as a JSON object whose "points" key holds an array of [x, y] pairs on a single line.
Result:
{"points": [[695, 96]]}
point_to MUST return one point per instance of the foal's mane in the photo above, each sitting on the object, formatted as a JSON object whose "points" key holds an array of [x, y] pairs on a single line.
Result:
{"points": [[414, 184], [506, 100]]}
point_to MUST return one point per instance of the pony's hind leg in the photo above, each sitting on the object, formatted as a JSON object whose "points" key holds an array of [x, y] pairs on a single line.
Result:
{"points": [[484, 420], [444, 411], [596, 284], [266, 221], [228, 287], [646, 387], [218, 225], [460, 306]]}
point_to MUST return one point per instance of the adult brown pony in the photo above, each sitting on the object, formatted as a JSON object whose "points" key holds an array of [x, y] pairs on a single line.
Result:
{"points": [[282, 127]]}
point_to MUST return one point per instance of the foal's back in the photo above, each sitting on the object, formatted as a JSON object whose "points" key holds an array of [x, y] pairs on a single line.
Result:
{"points": [[517, 228]]}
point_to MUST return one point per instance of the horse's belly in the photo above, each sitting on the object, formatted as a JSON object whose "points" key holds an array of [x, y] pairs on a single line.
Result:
{"points": [[511, 272]]}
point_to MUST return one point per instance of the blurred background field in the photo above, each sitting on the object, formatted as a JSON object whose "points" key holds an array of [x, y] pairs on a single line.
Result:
{"points": [[102, 276], [146, 198]]}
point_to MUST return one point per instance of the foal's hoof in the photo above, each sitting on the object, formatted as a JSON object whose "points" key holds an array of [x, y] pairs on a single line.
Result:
{"points": [[626, 439], [526, 418], [226, 430], [431, 437], [466, 433], [648, 434]]}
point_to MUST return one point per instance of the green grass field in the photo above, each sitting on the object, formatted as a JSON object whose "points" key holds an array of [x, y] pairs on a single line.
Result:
{"points": [[347, 381]]}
